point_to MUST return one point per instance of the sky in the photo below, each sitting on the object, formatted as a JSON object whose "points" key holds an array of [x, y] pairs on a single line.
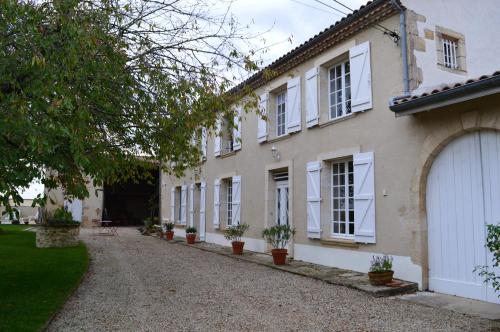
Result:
{"points": [[289, 23]]}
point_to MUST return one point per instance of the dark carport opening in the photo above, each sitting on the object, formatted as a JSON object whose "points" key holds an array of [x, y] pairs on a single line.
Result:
{"points": [[128, 203]]}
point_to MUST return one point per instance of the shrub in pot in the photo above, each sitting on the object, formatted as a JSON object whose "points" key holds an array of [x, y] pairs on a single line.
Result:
{"points": [[190, 235], [381, 272], [234, 234], [169, 230], [278, 236]]}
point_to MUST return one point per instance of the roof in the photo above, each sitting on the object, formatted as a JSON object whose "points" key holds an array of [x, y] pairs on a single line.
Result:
{"points": [[448, 94], [373, 12]]}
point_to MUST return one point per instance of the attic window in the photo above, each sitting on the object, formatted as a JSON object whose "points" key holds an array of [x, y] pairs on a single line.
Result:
{"points": [[451, 54], [450, 50]]}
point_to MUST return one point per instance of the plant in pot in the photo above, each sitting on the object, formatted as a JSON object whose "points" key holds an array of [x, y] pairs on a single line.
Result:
{"points": [[234, 235], [380, 270], [278, 236], [190, 235], [57, 229], [169, 230]]}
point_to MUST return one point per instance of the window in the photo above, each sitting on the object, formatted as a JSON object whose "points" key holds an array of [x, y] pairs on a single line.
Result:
{"points": [[342, 204], [450, 52], [227, 140], [229, 196], [450, 48], [281, 114], [339, 78]]}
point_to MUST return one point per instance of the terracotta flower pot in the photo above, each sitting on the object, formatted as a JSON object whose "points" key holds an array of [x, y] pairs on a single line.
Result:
{"points": [[279, 256], [169, 235], [190, 238], [380, 278], [238, 247], [160, 235]]}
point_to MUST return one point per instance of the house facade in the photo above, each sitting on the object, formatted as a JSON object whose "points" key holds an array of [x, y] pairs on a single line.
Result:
{"points": [[368, 147]]}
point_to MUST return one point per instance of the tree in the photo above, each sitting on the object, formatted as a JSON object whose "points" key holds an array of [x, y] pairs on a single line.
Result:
{"points": [[88, 86], [493, 245]]}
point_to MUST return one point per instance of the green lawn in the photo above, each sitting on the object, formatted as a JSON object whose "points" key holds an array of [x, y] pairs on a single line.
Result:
{"points": [[34, 283]]}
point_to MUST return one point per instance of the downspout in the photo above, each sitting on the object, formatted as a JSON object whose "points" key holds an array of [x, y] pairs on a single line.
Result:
{"points": [[404, 51]]}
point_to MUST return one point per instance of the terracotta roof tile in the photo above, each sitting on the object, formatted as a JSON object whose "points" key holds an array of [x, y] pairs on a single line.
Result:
{"points": [[445, 87]]}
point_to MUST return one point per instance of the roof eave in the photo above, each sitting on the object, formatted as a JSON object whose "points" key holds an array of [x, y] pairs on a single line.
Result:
{"points": [[449, 97]]}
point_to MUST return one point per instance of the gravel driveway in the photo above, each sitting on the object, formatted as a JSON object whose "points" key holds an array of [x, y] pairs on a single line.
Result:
{"points": [[140, 283]]}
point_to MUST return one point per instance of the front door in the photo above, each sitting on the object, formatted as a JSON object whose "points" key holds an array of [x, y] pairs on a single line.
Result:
{"points": [[282, 203]]}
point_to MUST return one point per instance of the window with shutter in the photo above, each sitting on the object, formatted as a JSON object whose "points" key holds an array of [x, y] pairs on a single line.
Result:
{"points": [[204, 143], [237, 130], [183, 205], [216, 216], [361, 77], [191, 204], [172, 204], [294, 115], [262, 122], [203, 194], [312, 114], [313, 200], [236, 200], [364, 197], [217, 138]]}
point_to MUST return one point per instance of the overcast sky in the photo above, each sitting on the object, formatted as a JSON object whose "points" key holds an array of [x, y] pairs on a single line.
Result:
{"points": [[295, 19]]}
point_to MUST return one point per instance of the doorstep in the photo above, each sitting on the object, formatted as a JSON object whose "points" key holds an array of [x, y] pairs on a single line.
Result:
{"points": [[331, 275]]}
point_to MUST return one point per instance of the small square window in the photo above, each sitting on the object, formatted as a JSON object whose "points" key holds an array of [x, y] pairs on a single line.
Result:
{"points": [[450, 53]]}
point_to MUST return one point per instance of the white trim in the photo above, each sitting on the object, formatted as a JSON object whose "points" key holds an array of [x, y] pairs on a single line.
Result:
{"points": [[356, 260], [251, 244]]}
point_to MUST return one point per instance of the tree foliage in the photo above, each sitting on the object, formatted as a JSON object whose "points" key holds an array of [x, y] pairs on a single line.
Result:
{"points": [[88, 86], [493, 245]]}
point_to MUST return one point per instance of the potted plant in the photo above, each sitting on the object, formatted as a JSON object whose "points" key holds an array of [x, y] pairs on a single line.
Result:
{"points": [[278, 236], [380, 270], [190, 235], [169, 230], [234, 235]]}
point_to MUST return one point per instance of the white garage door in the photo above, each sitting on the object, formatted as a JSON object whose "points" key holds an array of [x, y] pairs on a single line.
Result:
{"points": [[463, 195]]}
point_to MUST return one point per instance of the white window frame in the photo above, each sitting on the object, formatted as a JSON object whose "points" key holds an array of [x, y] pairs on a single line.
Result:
{"points": [[450, 52], [229, 202], [281, 113], [346, 103], [347, 198]]}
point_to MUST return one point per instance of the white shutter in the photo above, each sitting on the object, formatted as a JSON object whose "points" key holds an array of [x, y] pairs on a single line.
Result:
{"points": [[172, 205], [217, 138], [183, 204], [364, 198], [216, 216], [312, 114], [361, 77], [191, 204], [262, 123], [204, 143], [313, 200], [237, 130], [236, 200], [203, 195], [293, 113]]}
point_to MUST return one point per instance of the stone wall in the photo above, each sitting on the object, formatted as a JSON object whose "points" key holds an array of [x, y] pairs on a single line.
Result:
{"points": [[57, 236]]}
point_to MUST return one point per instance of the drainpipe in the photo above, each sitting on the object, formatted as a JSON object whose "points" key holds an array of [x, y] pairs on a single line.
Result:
{"points": [[404, 51]]}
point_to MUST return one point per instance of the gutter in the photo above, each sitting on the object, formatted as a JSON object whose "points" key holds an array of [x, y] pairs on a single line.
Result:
{"points": [[451, 96], [404, 52]]}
